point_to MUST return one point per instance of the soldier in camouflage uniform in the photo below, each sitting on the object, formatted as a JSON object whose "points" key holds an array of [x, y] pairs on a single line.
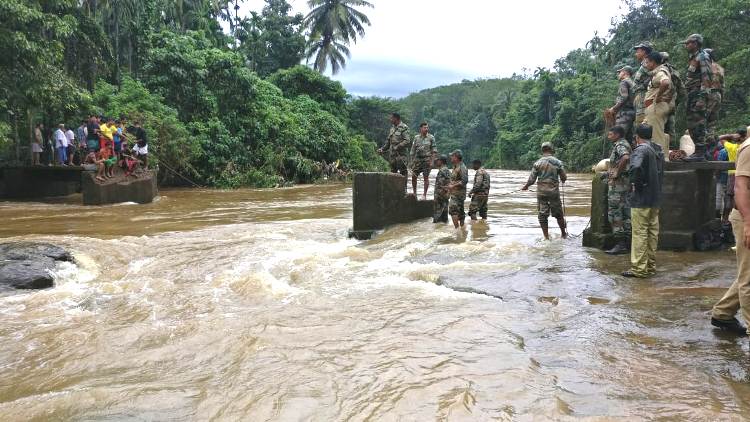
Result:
{"points": [[617, 192], [641, 80], [459, 180], [624, 108], [397, 146], [442, 192], [547, 172], [699, 82], [480, 191], [716, 94], [422, 154]]}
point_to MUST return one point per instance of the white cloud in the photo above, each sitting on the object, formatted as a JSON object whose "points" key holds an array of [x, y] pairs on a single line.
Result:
{"points": [[468, 39]]}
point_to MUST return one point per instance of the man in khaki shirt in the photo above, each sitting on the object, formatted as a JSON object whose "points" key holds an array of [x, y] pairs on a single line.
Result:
{"points": [[737, 298], [659, 100]]}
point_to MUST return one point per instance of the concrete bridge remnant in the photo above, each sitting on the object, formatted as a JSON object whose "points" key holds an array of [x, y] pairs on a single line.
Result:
{"points": [[379, 200]]}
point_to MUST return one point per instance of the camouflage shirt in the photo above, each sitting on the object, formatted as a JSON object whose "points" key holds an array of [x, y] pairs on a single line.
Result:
{"points": [[641, 80], [699, 75], [619, 150], [398, 141], [423, 148], [481, 182], [442, 180], [625, 95], [547, 172], [460, 174]]}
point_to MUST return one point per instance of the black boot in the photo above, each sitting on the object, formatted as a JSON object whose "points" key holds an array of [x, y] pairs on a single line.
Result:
{"points": [[620, 248], [699, 154], [731, 326]]}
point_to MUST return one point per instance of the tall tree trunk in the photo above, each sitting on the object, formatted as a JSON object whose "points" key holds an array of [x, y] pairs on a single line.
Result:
{"points": [[117, 43]]}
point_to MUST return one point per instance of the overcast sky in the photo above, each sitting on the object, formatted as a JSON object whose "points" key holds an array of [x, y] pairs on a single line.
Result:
{"points": [[418, 44]]}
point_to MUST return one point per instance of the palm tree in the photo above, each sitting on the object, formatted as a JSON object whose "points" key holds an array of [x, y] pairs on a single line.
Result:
{"points": [[333, 24]]}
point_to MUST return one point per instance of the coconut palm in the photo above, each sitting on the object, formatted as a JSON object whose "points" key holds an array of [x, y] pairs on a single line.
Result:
{"points": [[333, 24]]}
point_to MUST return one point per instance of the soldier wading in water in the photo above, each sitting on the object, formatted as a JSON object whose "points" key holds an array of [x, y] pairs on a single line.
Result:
{"points": [[547, 173]]}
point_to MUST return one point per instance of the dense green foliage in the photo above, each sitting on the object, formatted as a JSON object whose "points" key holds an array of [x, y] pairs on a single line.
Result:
{"points": [[210, 115], [505, 121]]}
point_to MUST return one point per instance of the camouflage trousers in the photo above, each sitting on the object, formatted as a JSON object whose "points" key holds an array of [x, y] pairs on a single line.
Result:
{"points": [[456, 206], [440, 209], [548, 203], [625, 120], [697, 117], [478, 205], [618, 213], [713, 106], [421, 166], [398, 164]]}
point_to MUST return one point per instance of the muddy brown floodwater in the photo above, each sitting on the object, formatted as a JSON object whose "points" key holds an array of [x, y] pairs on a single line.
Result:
{"points": [[253, 305]]}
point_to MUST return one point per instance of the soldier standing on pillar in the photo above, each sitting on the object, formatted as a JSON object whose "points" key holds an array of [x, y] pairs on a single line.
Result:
{"points": [[624, 108], [641, 80], [699, 82], [397, 146]]}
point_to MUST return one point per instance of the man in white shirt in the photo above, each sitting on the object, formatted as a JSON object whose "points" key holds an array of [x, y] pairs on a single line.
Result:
{"points": [[71, 150], [61, 144]]}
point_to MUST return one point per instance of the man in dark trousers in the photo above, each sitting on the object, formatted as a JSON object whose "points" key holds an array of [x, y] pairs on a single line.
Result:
{"points": [[645, 171]]}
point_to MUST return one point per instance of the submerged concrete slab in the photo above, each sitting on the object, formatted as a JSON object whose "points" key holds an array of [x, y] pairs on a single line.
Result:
{"points": [[30, 182], [687, 204], [379, 200], [141, 189]]}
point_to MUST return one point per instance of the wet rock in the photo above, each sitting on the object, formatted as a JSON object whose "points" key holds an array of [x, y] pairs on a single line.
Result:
{"points": [[29, 265]]}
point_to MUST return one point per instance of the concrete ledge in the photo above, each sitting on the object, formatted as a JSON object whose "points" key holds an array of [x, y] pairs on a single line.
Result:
{"points": [[379, 200], [41, 181], [141, 190]]}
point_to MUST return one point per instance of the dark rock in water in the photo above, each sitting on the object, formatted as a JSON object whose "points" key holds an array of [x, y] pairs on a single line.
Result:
{"points": [[28, 265]]}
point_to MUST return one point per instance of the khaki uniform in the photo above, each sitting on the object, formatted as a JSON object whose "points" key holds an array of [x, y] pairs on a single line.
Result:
{"points": [[657, 114], [422, 153], [397, 147], [737, 298], [714, 98]]}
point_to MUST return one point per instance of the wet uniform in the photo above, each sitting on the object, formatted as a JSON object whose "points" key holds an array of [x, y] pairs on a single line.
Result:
{"points": [[547, 173], [479, 194], [458, 195], [440, 210]]}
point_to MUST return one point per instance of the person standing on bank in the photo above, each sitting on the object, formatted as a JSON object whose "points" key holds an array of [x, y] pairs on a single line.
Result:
{"points": [[457, 187], [699, 81], [421, 157], [61, 143], [617, 192], [480, 192], [547, 173], [442, 192], [36, 145], [737, 298], [397, 146], [645, 172], [660, 102], [624, 108]]}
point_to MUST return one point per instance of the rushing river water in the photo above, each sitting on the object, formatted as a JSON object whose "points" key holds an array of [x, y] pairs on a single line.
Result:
{"points": [[253, 305]]}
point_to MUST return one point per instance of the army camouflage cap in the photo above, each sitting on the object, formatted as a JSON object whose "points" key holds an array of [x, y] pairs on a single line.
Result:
{"points": [[626, 68], [694, 37], [458, 153], [646, 45], [548, 145]]}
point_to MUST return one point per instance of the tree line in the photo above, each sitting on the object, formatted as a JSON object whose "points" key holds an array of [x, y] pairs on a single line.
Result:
{"points": [[223, 97], [505, 121]]}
